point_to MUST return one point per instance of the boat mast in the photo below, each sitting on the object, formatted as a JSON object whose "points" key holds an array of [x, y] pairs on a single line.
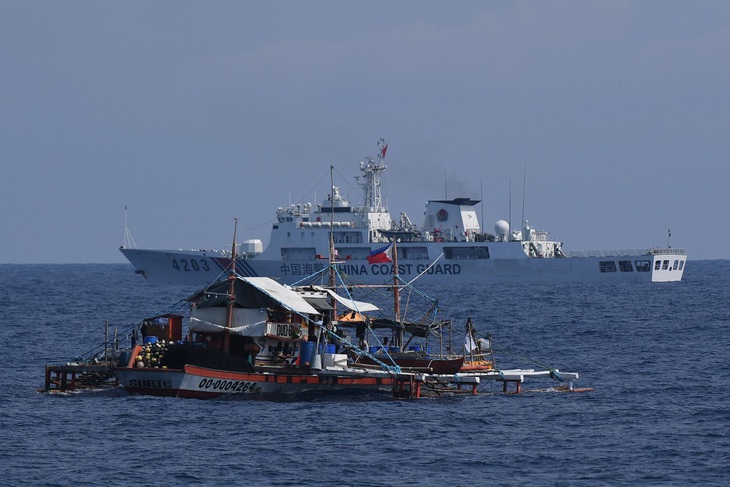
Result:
{"points": [[332, 242], [231, 293], [396, 292]]}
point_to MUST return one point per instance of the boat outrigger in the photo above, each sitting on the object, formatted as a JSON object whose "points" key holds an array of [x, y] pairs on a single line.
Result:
{"points": [[252, 336]]}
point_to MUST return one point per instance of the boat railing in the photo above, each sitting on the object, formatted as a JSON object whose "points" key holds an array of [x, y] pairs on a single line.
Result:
{"points": [[669, 250], [623, 253]]}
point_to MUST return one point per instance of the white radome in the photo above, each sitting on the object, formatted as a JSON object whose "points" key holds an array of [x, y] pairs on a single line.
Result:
{"points": [[501, 227]]}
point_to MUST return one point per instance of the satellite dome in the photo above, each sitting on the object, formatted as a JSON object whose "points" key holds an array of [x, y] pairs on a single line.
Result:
{"points": [[501, 227]]}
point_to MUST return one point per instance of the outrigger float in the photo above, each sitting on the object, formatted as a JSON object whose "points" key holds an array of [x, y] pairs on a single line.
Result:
{"points": [[254, 337]]}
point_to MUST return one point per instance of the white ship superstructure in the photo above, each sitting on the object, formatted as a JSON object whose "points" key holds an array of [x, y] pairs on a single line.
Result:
{"points": [[449, 247]]}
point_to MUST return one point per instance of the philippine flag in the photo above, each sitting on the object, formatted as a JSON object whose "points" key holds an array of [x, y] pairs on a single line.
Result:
{"points": [[381, 255]]}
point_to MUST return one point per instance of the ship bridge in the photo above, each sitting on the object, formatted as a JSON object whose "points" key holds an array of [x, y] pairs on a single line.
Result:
{"points": [[451, 220]]}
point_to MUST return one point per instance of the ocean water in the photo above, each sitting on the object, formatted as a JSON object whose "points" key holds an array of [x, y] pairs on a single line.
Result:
{"points": [[656, 356]]}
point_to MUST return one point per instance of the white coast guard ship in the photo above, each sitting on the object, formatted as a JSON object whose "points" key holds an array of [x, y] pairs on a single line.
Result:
{"points": [[449, 247]]}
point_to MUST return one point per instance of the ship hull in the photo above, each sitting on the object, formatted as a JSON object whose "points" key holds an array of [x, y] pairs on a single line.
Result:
{"points": [[198, 267], [202, 383]]}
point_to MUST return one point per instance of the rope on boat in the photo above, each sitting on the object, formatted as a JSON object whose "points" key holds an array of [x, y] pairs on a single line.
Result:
{"points": [[425, 270], [390, 368], [311, 277], [553, 373], [126, 332], [395, 368]]}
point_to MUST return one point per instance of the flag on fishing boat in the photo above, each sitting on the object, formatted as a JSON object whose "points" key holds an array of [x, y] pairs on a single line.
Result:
{"points": [[469, 343], [381, 255]]}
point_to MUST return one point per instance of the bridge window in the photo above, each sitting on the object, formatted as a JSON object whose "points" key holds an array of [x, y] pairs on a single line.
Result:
{"points": [[607, 266], [665, 265], [303, 253], [347, 237], [657, 265], [625, 266], [356, 253], [466, 252], [676, 265], [413, 253], [681, 265]]}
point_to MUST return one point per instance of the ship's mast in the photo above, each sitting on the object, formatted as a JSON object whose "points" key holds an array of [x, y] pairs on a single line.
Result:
{"points": [[371, 185], [231, 293], [128, 242]]}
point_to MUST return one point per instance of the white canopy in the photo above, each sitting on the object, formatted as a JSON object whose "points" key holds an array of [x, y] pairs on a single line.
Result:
{"points": [[284, 295], [361, 306], [253, 293], [248, 322], [252, 329]]}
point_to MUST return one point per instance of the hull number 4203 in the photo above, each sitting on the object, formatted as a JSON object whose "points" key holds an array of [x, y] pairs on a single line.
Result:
{"points": [[188, 265]]}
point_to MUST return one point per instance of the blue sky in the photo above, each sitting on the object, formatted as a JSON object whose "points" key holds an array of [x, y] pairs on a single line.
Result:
{"points": [[614, 113]]}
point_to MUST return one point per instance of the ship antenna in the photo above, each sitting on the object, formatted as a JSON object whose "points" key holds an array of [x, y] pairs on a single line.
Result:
{"points": [[481, 196], [524, 185], [510, 209]]}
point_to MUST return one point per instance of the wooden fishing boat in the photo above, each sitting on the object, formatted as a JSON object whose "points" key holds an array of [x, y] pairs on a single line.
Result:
{"points": [[204, 383], [248, 335], [273, 355]]}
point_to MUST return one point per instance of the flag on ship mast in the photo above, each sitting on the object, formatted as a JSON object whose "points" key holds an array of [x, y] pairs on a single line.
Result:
{"points": [[383, 148], [381, 255]]}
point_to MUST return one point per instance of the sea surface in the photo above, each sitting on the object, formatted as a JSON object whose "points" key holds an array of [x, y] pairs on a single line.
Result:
{"points": [[656, 355]]}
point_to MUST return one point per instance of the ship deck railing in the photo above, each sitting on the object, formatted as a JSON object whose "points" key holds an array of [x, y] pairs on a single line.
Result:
{"points": [[624, 253]]}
